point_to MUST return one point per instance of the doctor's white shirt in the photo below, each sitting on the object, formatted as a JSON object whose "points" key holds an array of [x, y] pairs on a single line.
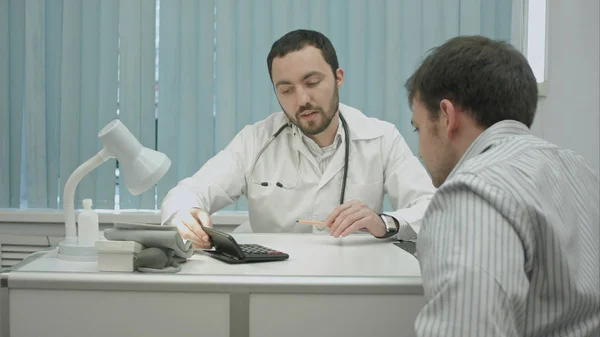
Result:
{"points": [[380, 163]]}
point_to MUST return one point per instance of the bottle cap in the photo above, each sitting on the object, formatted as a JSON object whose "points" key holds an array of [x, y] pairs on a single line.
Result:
{"points": [[87, 203]]}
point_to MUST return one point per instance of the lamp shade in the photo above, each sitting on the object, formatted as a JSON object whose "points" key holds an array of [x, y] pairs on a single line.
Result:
{"points": [[140, 167]]}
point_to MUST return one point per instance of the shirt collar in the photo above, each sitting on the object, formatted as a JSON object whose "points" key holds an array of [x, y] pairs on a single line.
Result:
{"points": [[313, 146], [489, 138]]}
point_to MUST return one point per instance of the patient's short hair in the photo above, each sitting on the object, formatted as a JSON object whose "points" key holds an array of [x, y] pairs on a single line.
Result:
{"points": [[489, 79]]}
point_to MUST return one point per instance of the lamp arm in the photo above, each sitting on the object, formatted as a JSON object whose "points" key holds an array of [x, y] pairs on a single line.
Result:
{"points": [[71, 185]]}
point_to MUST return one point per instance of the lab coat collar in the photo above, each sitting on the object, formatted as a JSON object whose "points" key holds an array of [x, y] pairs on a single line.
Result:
{"points": [[360, 126]]}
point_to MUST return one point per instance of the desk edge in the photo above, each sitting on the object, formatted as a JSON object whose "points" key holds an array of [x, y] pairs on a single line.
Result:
{"points": [[215, 283]]}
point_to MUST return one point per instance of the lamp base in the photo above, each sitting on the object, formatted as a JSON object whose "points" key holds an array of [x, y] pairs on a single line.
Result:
{"points": [[71, 251]]}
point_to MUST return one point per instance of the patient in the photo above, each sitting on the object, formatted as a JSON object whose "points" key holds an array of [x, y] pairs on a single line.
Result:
{"points": [[509, 245]]}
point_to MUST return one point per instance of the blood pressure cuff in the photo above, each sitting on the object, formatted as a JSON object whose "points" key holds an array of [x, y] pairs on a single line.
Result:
{"points": [[164, 249], [158, 260]]}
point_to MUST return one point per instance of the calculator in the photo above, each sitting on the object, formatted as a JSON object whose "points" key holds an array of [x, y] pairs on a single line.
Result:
{"points": [[226, 249]]}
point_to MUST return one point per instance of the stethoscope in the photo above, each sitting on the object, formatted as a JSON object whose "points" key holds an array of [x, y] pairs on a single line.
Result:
{"points": [[278, 184]]}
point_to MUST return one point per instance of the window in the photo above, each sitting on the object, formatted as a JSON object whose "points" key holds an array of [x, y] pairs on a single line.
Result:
{"points": [[212, 78], [534, 39]]}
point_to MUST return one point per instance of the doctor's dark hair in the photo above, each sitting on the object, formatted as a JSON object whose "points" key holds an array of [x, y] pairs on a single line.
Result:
{"points": [[298, 39], [490, 80]]}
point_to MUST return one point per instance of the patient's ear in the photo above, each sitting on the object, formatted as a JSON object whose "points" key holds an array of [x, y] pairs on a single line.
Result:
{"points": [[449, 118]]}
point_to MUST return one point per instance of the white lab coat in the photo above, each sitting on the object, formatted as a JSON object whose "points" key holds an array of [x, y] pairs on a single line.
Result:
{"points": [[380, 162]]}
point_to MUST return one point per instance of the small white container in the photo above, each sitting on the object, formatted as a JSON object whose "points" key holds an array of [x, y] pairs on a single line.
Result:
{"points": [[117, 256], [87, 223]]}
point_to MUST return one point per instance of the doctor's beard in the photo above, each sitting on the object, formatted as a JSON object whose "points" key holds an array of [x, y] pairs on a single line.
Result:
{"points": [[311, 128]]}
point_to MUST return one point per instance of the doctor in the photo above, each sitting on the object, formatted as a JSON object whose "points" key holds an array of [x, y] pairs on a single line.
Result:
{"points": [[317, 160]]}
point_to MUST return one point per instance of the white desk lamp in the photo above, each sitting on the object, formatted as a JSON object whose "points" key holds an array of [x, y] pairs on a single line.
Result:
{"points": [[140, 167]]}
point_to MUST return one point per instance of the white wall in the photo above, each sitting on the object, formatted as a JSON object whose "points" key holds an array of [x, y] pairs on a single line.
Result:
{"points": [[570, 114]]}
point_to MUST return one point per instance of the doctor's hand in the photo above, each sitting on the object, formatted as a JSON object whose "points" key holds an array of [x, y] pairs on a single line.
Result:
{"points": [[352, 216], [188, 224]]}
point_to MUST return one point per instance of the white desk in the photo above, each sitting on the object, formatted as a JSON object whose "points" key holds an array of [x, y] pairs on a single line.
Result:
{"points": [[357, 286]]}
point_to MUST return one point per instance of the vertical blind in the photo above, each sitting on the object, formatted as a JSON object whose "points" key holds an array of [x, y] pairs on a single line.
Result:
{"points": [[186, 75]]}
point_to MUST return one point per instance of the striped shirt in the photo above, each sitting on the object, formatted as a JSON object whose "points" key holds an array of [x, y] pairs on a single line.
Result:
{"points": [[509, 245]]}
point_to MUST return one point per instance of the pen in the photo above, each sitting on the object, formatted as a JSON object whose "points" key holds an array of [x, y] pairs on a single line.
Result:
{"points": [[310, 222]]}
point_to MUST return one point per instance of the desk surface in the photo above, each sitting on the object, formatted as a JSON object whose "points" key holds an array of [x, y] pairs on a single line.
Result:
{"points": [[358, 263]]}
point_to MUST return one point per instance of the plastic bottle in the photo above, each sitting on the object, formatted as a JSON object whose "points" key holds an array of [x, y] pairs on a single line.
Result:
{"points": [[87, 222]]}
